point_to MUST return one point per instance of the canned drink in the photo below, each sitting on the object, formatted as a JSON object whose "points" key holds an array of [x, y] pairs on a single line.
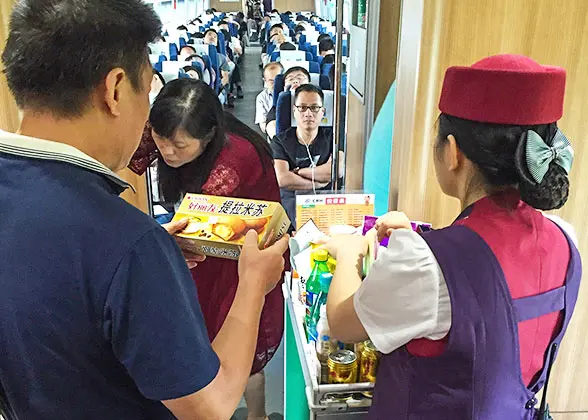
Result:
{"points": [[342, 367], [369, 358]]}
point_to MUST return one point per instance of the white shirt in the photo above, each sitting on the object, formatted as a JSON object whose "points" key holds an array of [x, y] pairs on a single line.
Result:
{"points": [[263, 104], [405, 296]]}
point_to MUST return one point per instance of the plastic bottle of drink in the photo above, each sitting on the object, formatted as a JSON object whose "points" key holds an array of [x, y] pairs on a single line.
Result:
{"points": [[324, 344], [314, 292]]}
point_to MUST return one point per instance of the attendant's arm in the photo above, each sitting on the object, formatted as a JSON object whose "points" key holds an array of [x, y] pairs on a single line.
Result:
{"points": [[344, 323]]}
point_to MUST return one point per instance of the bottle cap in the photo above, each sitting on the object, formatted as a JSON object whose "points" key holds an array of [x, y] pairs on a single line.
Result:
{"points": [[320, 255]]}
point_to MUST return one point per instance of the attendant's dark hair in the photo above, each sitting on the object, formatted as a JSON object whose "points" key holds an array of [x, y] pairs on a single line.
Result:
{"points": [[45, 67], [309, 89], [192, 106], [494, 149]]}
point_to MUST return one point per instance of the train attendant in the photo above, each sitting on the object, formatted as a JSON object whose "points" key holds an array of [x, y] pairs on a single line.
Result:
{"points": [[469, 318]]}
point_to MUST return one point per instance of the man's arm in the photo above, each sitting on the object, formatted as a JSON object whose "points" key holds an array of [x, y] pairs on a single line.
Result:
{"points": [[235, 344], [291, 181], [322, 173]]}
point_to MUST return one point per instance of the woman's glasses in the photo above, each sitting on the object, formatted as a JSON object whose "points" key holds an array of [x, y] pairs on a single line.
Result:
{"points": [[313, 108]]}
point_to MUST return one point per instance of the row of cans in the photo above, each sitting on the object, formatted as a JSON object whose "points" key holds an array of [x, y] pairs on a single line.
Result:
{"points": [[348, 366]]}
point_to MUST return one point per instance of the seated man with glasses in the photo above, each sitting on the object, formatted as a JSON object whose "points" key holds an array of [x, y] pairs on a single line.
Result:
{"points": [[294, 77], [303, 154]]}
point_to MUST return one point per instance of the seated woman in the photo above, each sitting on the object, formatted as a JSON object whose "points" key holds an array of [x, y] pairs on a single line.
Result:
{"points": [[205, 150]]}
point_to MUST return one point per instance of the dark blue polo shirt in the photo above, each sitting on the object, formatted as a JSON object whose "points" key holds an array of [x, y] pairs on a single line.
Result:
{"points": [[99, 317]]}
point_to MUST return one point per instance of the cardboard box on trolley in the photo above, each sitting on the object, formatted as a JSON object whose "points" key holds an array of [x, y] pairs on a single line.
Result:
{"points": [[218, 225]]}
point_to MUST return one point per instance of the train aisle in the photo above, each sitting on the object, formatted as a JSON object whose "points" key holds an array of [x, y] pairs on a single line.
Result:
{"points": [[252, 83], [245, 110]]}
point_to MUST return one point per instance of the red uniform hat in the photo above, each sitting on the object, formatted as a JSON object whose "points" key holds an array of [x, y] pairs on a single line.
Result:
{"points": [[504, 89]]}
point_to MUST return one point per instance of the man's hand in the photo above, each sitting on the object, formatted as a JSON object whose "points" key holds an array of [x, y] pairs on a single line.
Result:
{"points": [[176, 227], [261, 270], [390, 222]]}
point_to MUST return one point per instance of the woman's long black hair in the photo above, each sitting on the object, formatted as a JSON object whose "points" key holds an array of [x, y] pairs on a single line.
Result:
{"points": [[192, 106]]}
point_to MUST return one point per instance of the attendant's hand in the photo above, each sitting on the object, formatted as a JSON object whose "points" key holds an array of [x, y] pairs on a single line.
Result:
{"points": [[386, 224], [176, 227], [343, 246], [261, 270]]}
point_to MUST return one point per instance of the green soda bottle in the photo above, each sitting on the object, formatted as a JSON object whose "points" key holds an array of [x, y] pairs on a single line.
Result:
{"points": [[314, 294]]}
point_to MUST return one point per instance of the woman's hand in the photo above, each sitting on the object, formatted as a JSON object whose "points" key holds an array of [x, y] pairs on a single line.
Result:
{"points": [[342, 245], [390, 222], [176, 227]]}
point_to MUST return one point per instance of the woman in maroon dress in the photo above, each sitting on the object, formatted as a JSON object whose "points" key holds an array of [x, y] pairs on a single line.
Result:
{"points": [[206, 150]]}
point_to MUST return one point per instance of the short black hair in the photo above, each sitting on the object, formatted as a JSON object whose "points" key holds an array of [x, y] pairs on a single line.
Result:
{"points": [[299, 28], [287, 46], [277, 25], [275, 11], [193, 68], [182, 28], [323, 36], [188, 46], [223, 22], [300, 18], [159, 76], [210, 30], [297, 69], [198, 35], [309, 89], [45, 67], [326, 45]]}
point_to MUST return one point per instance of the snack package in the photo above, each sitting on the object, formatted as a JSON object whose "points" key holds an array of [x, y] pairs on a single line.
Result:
{"points": [[370, 221], [218, 225]]}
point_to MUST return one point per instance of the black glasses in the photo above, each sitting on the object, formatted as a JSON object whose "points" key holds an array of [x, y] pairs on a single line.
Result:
{"points": [[313, 108]]}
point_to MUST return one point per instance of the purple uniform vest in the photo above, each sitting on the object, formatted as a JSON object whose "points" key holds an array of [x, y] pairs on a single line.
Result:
{"points": [[478, 377]]}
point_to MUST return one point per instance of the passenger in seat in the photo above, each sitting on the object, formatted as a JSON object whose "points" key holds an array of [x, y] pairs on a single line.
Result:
{"points": [[293, 78], [326, 50], [194, 72], [264, 101], [303, 154], [185, 52]]}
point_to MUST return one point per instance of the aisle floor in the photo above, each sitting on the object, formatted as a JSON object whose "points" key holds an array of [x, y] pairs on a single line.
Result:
{"points": [[245, 111]]}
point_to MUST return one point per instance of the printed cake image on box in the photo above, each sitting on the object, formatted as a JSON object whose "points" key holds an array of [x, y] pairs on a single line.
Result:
{"points": [[218, 225]]}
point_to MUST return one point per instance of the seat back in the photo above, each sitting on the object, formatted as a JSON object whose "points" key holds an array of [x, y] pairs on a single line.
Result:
{"points": [[211, 53], [293, 56], [310, 66]]}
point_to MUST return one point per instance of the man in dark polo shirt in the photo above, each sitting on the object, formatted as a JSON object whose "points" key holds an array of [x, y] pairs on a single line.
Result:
{"points": [[99, 317], [303, 154]]}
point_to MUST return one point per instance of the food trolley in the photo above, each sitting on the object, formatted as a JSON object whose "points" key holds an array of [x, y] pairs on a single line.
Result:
{"points": [[304, 397]]}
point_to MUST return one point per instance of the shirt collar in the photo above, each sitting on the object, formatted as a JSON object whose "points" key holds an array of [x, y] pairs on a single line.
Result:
{"points": [[34, 148]]}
